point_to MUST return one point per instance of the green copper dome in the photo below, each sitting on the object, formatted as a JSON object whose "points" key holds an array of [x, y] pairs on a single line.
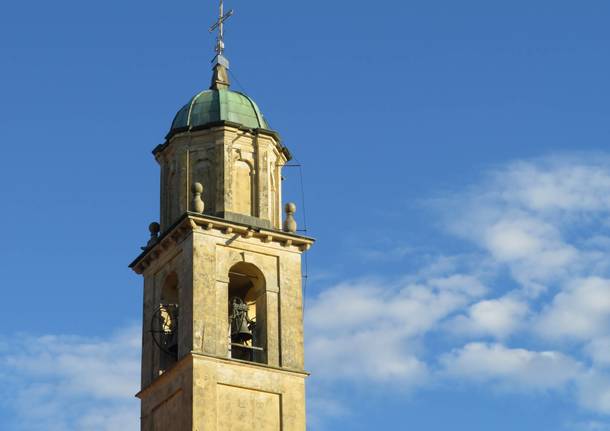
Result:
{"points": [[215, 105]]}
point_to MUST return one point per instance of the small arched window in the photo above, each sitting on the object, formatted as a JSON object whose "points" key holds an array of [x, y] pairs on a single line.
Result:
{"points": [[242, 187], [247, 311], [165, 323]]}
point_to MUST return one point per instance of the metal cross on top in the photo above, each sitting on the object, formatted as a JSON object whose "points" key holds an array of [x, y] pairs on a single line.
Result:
{"points": [[220, 44]]}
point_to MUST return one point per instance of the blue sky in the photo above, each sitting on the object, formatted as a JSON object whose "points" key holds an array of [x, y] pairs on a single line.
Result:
{"points": [[457, 177]]}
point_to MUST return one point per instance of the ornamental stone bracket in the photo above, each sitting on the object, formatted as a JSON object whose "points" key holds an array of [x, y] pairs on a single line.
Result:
{"points": [[192, 222]]}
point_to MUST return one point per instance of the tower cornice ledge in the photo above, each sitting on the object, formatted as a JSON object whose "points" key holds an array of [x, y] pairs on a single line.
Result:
{"points": [[192, 356], [191, 222], [223, 125]]}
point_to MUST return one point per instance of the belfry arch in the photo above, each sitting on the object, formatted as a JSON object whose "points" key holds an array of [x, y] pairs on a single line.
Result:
{"points": [[247, 323], [165, 326]]}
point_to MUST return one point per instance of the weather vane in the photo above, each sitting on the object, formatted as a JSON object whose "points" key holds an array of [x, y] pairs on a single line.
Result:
{"points": [[219, 25]]}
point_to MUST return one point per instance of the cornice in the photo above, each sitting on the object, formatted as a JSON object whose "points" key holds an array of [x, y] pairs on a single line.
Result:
{"points": [[221, 125], [190, 222], [191, 357]]}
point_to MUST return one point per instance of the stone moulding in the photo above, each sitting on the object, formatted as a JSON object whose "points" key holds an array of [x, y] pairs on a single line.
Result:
{"points": [[220, 126], [192, 222], [189, 358]]}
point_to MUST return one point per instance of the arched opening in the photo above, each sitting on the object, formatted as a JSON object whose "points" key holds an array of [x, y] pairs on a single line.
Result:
{"points": [[247, 312], [165, 324]]}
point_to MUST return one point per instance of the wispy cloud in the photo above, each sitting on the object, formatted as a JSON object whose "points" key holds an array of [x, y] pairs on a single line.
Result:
{"points": [[517, 369], [581, 310], [544, 219], [62, 382], [364, 328], [385, 252], [499, 317], [544, 327]]}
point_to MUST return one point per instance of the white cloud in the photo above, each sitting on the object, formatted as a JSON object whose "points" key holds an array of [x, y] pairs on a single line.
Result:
{"points": [[368, 329], [385, 252], [595, 391], [376, 355], [569, 183], [415, 307], [61, 383], [498, 317], [517, 369], [546, 222], [542, 219], [599, 351], [518, 237], [321, 408], [532, 248], [581, 311]]}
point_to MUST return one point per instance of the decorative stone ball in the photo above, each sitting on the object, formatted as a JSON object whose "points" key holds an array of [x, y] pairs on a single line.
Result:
{"points": [[290, 224], [291, 208], [154, 228], [197, 188]]}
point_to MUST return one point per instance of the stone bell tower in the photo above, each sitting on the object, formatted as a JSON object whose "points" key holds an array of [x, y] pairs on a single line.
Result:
{"points": [[222, 339]]}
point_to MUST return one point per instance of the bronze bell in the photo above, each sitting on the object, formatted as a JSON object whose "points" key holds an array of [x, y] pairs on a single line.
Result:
{"points": [[240, 324]]}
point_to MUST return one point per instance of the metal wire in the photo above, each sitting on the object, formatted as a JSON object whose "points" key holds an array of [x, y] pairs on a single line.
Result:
{"points": [[234, 77], [304, 211], [305, 275]]}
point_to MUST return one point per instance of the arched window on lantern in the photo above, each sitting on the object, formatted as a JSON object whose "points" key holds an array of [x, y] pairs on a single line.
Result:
{"points": [[242, 187], [247, 311], [164, 326]]}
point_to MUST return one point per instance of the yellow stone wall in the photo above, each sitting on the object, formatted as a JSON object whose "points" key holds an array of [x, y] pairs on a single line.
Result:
{"points": [[235, 396], [240, 172], [207, 393], [167, 404]]}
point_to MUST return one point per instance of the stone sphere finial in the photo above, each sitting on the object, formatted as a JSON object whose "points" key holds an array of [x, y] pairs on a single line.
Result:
{"points": [[197, 204], [290, 224], [197, 188], [154, 228]]}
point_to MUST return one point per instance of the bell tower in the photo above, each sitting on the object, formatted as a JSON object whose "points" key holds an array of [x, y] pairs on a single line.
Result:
{"points": [[222, 339]]}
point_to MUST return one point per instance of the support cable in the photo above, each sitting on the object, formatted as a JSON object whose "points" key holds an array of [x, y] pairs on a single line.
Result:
{"points": [[234, 77], [305, 275]]}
